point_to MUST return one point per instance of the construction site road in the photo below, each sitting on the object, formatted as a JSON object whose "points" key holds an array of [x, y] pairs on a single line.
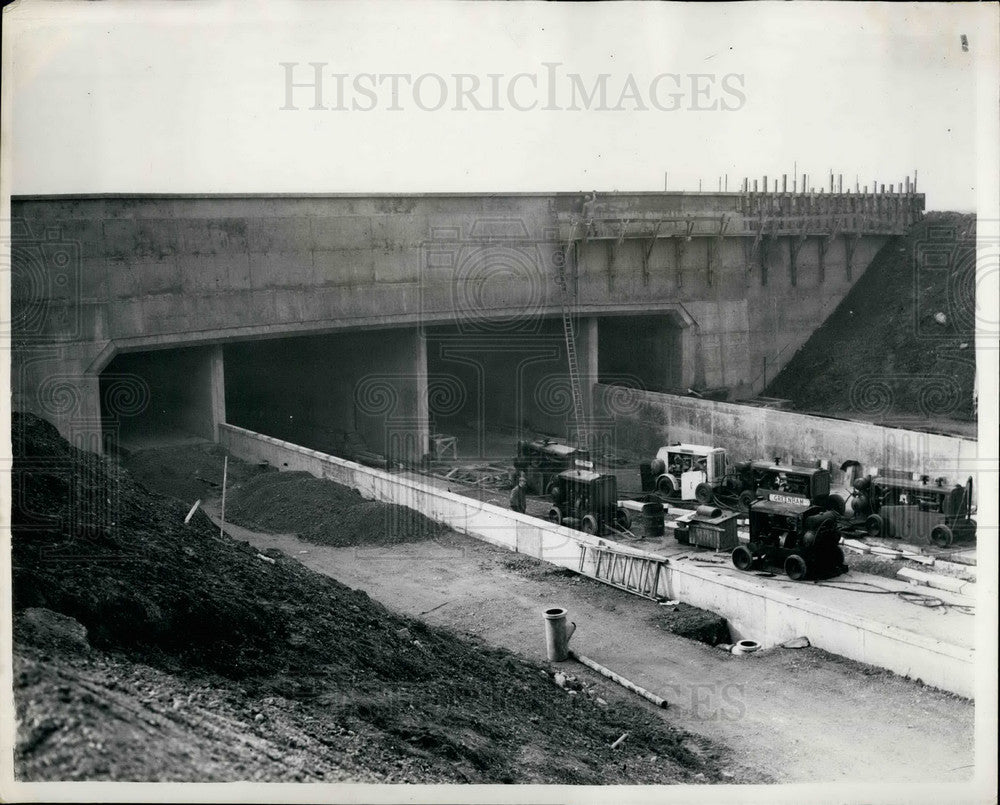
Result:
{"points": [[796, 715]]}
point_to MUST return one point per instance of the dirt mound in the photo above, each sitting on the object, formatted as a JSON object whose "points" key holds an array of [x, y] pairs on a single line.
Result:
{"points": [[900, 347], [187, 472], [92, 544], [324, 512], [46, 629], [693, 623]]}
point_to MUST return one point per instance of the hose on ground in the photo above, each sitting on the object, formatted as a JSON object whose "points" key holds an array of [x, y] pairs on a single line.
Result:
{"points": [[910, 596]]}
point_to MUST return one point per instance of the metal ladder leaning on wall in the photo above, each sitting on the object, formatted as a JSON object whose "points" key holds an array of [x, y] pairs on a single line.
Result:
{"points": [[635, 574], [565, 304]]}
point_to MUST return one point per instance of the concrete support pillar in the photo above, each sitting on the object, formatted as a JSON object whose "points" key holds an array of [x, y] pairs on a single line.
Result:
{"points": [[217, 385], [56, 385], [689, 347], [422, 392], [587, 354]]}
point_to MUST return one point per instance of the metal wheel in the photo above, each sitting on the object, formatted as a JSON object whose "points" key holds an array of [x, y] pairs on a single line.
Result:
{"points": [[704, 493], [665, 486], [942, 536], [743, 504], [589, 524], [742, 558], [555, 515], [796, 567], [873, 525]]}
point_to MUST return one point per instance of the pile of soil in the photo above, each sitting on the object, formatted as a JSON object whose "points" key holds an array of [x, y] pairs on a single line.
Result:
{"points": [[324, 512], [693, 623], [192, 619], [189, 472], [900, 347]]}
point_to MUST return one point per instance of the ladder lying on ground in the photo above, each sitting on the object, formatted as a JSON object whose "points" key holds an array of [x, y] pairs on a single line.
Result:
{"points": [[569, 335], [635, 574]]}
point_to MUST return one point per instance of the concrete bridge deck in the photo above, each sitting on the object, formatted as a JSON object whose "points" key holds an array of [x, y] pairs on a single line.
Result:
{"points": [[670, 291]]}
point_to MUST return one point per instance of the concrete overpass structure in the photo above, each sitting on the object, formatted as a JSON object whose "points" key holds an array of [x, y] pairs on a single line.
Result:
{"points": [[385, 318]]}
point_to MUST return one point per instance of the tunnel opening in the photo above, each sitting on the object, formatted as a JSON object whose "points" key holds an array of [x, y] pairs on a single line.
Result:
{"points": [[161, 397], [357, 395], [488, 390], [641, 351]]}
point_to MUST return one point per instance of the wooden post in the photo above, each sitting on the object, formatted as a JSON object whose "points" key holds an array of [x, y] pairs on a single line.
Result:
{"points": [[784, 183], [222, 518]]}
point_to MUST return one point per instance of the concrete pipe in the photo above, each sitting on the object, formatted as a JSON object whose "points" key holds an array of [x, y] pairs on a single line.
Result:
{"points": [[745, 647], [557, 634]]}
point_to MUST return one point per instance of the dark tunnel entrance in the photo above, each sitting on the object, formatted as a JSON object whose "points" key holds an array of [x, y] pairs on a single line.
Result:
{"points": [[162, 397], [490, 388], [356, 395], [641, 351]]}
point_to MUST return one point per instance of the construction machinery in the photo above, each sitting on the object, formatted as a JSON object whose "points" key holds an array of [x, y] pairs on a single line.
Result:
{"points": [[918, 510], [643, 516], [587, 501], [804, 540], [787, 483], [689, 471], [541, 460]]}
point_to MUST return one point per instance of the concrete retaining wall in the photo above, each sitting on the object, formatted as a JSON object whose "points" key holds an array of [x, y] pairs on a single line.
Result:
{"points": [[769, 616], [648, 420]]}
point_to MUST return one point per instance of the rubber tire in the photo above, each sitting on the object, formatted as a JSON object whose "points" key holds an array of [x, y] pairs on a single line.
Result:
{"points": [[622, 519], [873, 525], [742, 558], [666, 487], [555, 515], [704, 493], [743, 504], [942, 536], [796, 567], [589, 525], [835, 503]]}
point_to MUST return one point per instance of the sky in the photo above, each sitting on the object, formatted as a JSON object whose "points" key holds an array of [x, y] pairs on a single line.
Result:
{"points": [[109, 97]]}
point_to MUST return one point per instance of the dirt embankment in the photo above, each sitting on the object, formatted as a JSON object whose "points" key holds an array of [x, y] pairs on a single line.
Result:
{"points": [[900, 347], [212, 661], [324, 512]]}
